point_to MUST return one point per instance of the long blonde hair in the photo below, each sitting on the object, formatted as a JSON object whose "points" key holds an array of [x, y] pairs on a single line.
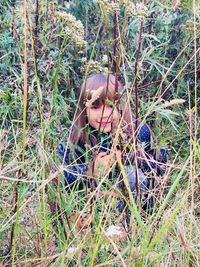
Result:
{"points": [[112, 90]]}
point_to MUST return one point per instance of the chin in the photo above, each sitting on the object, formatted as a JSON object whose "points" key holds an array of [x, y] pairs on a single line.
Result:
{"points": [[105, 129]]}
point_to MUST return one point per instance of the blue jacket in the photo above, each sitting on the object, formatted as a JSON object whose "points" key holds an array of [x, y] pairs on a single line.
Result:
{"points": [[76, 162]]}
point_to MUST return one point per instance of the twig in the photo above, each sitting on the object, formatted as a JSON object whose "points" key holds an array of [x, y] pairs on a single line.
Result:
{"points": [[35, 31], [115, 45], [25, 101], [160, 80], [172, 252], [13, 27], [136, 97], [13, 225]]}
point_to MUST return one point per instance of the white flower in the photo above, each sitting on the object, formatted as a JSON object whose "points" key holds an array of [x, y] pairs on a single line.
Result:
{"points": [[138, 9], [71, 251], [116, 232], [83, 59], [105, 59], [110, 5], [73, 28]]}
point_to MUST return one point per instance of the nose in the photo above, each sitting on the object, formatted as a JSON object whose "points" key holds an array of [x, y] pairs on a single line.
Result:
{"points": [[106, 111]]}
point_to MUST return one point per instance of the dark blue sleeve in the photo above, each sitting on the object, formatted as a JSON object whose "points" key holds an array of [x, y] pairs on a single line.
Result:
{"points": [[72, 171], [161, 161], [155, 158], [145, 136]]}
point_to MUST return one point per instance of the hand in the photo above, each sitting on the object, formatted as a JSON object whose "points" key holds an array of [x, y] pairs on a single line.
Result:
{"points": [[104, 162]]}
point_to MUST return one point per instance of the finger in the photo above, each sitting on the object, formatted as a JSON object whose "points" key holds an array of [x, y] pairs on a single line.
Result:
{"points": [[102, 154], [108, 158], [118, 154]]}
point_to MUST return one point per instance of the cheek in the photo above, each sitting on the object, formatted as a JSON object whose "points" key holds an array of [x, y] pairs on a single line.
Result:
{"points": [[91, 118], [115, 115], [116, 118], [87, 115]]}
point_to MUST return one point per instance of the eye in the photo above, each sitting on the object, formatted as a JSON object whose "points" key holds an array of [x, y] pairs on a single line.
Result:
{"points": [[110, 104], [94, 107]]}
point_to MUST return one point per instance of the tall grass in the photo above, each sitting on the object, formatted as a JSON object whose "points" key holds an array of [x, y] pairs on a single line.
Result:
{"points": [[40, 223]]}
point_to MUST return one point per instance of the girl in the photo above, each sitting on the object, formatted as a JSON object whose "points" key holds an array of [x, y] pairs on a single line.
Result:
{"points": [[104, 134]]}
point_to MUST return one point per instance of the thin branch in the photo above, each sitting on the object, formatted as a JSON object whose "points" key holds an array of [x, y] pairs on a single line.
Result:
{"points": [[136, 98]]}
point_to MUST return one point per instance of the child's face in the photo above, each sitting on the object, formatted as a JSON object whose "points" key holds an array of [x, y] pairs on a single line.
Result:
{"points": [[102, 118]]}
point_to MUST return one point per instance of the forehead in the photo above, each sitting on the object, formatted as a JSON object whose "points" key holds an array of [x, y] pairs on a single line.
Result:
{"points": [[100, 96], [101, 93], [103, 86]]}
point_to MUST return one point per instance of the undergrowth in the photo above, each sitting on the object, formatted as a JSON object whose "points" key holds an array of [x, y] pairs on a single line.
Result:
{"points": [[45, 53]]}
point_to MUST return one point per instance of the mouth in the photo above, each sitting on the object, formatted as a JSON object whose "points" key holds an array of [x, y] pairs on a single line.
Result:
{"points": [[104, 122]]}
